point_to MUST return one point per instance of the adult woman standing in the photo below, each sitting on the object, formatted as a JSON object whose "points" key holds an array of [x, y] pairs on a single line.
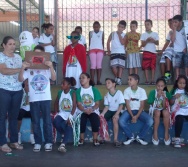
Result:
{"points": [[10, 93]]}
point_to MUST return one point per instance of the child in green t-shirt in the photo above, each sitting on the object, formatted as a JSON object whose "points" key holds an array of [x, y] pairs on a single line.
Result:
{"points": [[158, 98]]}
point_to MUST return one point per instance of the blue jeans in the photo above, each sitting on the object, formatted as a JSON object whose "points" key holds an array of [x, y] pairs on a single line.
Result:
{"points": [[10, 102], [144, 117], [62, 127], [44, 107]]}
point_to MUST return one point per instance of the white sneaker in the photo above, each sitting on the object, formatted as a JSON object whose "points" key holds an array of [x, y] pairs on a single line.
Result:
{"points": [[19, 138], [119, 82], [167, 143], [141, 141], [32, 139], [62, 148], [155, 142], [129, 141], [37, 148], [177, 143], [48, 147]]}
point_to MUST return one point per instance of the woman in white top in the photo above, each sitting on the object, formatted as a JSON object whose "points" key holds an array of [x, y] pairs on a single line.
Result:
{"points": [[10, 93], [96, 51]]}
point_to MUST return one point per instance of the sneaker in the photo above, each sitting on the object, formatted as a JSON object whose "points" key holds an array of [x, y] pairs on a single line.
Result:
{"points": [[117, 144], [167, 76], [129, 141], [37, 148], [141, 141], [155, 142], [81, 142], [96, 143], [119, 81], [167, 143], [177, 143], [32, 140], [62, 148], [116, 79], [19, 138], [48, 147]]}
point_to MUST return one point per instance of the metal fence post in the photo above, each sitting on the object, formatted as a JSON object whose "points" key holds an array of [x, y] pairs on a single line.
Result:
{"points": [[20, 15], [41, 13], [24, 15], [146, 9]]}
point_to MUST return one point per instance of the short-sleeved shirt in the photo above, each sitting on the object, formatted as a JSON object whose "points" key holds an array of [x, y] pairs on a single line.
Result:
{"points": [[180, 41], [150, 47], [10, 82], [44, 39], [158, 100], [88, 97], [133, 39], [135, 97], [114, 101], [182, 101], [65, 103], [39, 84]]}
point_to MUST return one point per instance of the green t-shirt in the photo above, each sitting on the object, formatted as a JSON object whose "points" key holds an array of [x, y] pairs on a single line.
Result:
{"points": [[88, 96], [152, 96]]}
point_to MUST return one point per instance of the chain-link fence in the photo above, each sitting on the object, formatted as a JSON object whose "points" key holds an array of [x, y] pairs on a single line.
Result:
{"points": [[72, 13]]}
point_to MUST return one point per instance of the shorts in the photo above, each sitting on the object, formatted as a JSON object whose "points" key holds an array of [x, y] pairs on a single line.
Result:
{"points": [[24, 114], [117, 60], [178, 59], [149, 61], [168, 53], [185, 60], [109, 115], [133, 60]]}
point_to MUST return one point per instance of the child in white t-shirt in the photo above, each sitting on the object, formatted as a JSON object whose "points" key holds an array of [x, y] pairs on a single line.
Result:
{"points": [[40, 100], [35, 34], [134, 100], [47, 40], [113, 102], [149, 39], [65, 105]]}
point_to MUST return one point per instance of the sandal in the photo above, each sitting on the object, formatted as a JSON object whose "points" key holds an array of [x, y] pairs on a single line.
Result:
{"points": [[146, 83], [62, 148], [152, 83], [16, 146], [96, 142], [81, 142], [117, 144], [5, 148]]}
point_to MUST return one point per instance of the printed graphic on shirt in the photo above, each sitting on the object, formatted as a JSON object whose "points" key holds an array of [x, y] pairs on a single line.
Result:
{"points": [[66, 105], [183, 100], [159, 103], [72, 61], [87, 100], [39, 82]]}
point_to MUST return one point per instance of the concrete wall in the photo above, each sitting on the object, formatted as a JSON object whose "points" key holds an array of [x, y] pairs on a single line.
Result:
{"points": [[106, 72]]}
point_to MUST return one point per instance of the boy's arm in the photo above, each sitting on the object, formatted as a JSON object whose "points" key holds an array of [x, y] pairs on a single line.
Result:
{"points": [[127, 104], [173, 35], [122, 40], [116, 115], [108, 44], [104, 111], [164, 47], [52, 71], [140, 109]]}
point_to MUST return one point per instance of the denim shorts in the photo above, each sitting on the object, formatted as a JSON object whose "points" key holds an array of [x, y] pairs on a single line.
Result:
{"points": [[185, 60]]}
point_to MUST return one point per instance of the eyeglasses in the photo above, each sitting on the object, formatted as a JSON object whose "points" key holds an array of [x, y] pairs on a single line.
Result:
{"points": [[73, 37]]}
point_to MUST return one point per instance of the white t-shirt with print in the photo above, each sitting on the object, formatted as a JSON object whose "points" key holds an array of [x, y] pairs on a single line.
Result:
{"points": [[82, 40], [135, 97], [180, 41], [10, 82], [65, 105], [36, 40], [113, 101], [47, 39], [39, 84], [183, 102], [87, 96], [150, 47]]}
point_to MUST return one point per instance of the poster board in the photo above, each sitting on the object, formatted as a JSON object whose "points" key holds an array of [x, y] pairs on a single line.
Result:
{"points": [[37, 59]]}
